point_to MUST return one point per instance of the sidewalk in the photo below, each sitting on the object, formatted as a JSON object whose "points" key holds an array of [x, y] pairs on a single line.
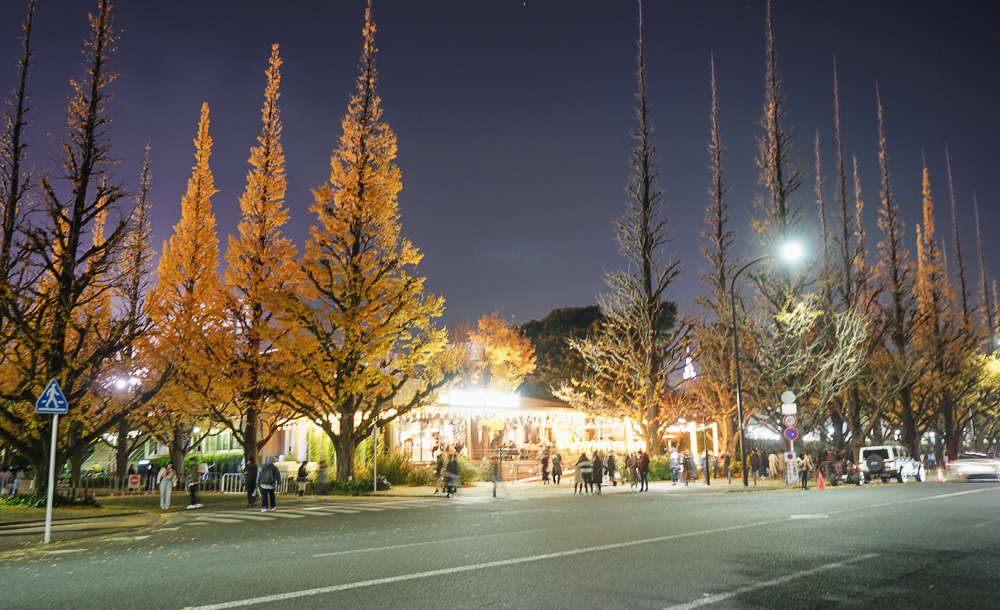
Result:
{"points": [[123, 514]]}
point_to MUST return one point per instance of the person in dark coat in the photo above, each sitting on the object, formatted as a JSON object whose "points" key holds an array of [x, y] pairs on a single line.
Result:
{"points": [[268, 479], [644, 471], [584, 468], [250, 481], [452, 476], [598, 474], [612, 465]]}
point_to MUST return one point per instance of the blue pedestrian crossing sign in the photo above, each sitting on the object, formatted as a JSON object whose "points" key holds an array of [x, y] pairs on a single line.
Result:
{"points": [[52, 401]]}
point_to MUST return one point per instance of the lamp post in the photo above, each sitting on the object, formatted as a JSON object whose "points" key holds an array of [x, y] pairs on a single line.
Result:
{"points": [[790, 251]]}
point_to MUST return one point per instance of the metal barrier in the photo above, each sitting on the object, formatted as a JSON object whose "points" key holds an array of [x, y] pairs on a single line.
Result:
{"points": [[232, 483]]}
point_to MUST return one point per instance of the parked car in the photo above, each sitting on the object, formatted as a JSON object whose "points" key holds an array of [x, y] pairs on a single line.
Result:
{"points": [[890, 462], [975, 465]]}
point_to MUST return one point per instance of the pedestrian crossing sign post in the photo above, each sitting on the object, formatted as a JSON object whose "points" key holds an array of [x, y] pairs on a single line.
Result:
{"points": [[52, 402]]}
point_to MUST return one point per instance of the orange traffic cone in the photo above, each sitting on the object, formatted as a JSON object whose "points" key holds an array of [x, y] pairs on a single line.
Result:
{"points": [[940, 475], [821, 484]]}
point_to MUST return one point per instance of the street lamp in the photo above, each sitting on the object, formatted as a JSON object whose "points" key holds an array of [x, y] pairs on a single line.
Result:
{"points": [[790, 251]]}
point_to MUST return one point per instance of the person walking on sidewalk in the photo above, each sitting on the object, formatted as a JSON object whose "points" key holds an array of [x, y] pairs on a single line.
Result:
{"points": [[598, 473], [322, 480], [644, 471], [755, 465], [556, 468], [165, 481], [250, 481], [193, 479], [581, 474], [268, 479], [805, 465], [773, 465], [302, 477]]}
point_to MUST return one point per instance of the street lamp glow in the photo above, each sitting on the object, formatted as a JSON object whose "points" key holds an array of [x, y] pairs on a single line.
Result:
{"points": [[790, 251]]}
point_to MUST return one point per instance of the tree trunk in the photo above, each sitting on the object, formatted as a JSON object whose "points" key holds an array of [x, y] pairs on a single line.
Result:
{"points": [[121, 447], [250, 435], [177, 450], [344, 446]]}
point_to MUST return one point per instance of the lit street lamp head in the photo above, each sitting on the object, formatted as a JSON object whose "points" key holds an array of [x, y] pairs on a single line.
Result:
{"points": [[791, 251]]}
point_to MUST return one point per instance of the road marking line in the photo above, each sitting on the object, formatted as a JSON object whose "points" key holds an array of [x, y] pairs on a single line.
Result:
{"points": [[809, 516], [985, 523], [251, 517], [721, 597], [128, 538], [64, 551], [473, 567], [412, 544], [167, 529], [912, 500], [369, 509], [219, 520], [285, 515], [332, 509]]}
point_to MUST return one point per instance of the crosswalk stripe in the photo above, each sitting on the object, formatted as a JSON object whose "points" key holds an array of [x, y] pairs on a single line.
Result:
{"points": [[285, 515], [332, 509], [219, 519], [251, 517]]}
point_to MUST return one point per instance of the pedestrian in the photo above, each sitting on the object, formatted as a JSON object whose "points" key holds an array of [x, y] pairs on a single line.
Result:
{"points": [[675, 465], [451, 475], [250, 481], [496, 472], [612, 466], [644, 471], [6, 476], [150, 473], [773, 464], [598, 473], [18, 477], [556, 468], [302, 477], [322, 480], [632, 463], [193, 479], [268, 479], [581, 474], [805, 466], [727, 467], [545, 469], [755, 465], [690, 467], [165, 480], [131, 469]]}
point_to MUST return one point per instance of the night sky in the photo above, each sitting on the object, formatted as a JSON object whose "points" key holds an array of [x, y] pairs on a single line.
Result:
{"points": [[514, 118]]}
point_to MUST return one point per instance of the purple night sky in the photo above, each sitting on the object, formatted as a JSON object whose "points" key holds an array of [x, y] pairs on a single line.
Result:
{"points": [[514, 118]]}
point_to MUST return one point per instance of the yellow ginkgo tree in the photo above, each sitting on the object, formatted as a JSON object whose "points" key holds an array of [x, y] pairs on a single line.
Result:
{"points": [[366, 350]]}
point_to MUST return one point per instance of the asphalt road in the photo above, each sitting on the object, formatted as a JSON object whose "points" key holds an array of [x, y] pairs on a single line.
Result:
{"points": [[918, 545]]}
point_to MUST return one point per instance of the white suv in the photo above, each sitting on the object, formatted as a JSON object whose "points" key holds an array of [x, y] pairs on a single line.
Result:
{"points": [[890, 461]]}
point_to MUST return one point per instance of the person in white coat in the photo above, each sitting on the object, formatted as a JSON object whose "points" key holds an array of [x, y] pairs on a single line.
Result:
{"points": [[165, 480]]}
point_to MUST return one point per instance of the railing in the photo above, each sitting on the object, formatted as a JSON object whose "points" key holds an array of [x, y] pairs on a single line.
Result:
{"points": [[232, 483]]}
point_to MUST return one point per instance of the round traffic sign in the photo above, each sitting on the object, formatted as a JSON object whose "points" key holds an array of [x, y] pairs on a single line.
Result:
{"points": [[790, 420], [788, 397], [791, 434]]}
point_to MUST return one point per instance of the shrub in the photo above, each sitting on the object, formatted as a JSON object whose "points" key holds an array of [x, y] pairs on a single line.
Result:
{"points": [[659, 469], [358, 486], [40, 501], [420, 475]]}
